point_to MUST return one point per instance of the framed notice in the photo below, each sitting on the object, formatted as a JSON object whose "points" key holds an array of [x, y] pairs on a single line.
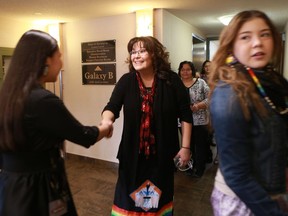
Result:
{"points": [[98, 51], [104, 74]]}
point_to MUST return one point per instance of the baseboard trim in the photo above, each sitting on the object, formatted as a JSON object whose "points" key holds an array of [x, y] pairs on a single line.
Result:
{"points": [[69, 156]]}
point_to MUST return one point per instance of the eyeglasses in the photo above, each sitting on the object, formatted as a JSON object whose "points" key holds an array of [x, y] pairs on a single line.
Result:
{"points": [[138, 52], [186, 70]]}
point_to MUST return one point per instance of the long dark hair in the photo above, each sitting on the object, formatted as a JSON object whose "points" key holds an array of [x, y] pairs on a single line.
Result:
{"points": [[26, 67], [160, 57], [203, 71]]}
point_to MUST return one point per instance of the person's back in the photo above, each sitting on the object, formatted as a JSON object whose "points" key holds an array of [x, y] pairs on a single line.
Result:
{"points": [[33, 179]]}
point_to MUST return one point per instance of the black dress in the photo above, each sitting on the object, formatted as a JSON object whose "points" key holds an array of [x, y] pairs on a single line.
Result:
{"points": [[33, 179], [146, 186]]}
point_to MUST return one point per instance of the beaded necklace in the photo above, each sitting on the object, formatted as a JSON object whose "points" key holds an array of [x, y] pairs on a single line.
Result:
{"points": [[264, 95]]}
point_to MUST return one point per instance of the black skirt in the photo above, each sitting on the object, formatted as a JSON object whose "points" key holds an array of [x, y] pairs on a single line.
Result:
{"points": [[152, 191], [35, 183]]}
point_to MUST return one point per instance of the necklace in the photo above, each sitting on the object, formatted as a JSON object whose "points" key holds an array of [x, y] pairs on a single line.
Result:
{"points": [[263, 93]]}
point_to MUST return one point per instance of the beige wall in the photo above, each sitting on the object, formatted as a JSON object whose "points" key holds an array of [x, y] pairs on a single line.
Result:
{"points": [[87, 101], [177, 37], [11, 31]]}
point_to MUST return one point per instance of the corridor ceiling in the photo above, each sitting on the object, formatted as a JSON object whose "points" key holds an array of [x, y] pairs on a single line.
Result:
{"points": [[202, 14]]}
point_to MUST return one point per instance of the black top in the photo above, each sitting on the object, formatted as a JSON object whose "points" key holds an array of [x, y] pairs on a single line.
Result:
{"points": [[34, 176], [171, 101]]}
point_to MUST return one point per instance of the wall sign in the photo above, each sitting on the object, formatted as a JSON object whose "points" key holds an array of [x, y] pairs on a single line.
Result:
{"points": [[98, 51], [104, 74]]}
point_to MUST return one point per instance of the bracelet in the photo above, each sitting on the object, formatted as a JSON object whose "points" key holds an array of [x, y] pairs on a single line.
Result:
{"points": [[185, 147]]}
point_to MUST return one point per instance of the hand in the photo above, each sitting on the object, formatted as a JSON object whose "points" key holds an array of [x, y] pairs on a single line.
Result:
{"points": [[105, 129], [282, 202], [194, 107], [184, 154]]}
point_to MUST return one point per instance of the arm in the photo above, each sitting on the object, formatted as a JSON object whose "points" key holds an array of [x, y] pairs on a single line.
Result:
{"points": [[108, 118], [111, 111], [185, 152], [235, 146], [53, 119], [204, 103], [185, 119]]}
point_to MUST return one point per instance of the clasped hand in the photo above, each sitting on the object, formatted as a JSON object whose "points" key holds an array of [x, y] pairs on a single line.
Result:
{"points": [[105, 129]]}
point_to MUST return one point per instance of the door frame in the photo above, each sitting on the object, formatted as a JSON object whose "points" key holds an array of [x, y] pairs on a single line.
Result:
{"points": [[4, 51]]}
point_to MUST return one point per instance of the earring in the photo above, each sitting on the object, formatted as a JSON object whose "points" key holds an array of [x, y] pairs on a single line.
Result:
{"points": [[230, 60], [45, 72]]}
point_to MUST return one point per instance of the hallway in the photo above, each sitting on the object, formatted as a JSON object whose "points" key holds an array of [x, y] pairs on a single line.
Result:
{"points": [[93, 181]]}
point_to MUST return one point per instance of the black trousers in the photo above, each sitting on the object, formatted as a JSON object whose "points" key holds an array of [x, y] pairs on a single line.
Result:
{"points": [[200, 147]]}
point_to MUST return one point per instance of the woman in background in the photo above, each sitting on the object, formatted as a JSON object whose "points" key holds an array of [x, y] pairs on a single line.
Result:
{"points": [[198, 91], [205, 70], [33, 125]]}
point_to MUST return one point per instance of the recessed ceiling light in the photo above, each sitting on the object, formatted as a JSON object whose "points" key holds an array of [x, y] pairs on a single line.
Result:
{"points": [[225, 20]]}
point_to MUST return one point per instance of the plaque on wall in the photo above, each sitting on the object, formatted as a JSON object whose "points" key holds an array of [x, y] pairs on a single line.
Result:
{"points": [[98, 51], [100, 74]]}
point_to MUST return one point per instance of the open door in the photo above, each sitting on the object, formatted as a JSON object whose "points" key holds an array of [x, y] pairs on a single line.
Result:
{"points": [[198, 51], [5, 58]]}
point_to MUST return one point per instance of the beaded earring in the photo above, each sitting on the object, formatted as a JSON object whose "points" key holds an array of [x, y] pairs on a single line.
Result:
{"points": [[230, 60], [45, 72]]}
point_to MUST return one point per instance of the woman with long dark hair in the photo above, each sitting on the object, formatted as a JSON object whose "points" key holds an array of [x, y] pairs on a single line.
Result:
{"points": [[33, 125]]}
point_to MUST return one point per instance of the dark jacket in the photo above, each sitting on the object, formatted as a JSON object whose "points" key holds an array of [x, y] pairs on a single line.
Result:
{"points": [[252, 154], [171, 102], [34, 177]]}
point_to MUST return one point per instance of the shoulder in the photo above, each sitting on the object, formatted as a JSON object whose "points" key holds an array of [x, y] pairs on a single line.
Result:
{"points": [[174, 78], [223, 92], [43, 97], [173, 75], [202, 81], [126, 77], [40, 93], [224, 100], [203, 84]]}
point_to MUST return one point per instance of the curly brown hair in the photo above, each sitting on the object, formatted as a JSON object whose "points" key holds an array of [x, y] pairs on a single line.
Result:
{"points": [[160, 57], [246, 92]]}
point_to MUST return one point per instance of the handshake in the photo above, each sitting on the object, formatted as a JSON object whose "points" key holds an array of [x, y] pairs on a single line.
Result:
{"points": [[105, 129]]}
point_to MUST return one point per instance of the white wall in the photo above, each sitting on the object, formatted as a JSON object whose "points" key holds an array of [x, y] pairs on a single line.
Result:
{"points": [[86, 102], [213, 46], [11, 31], [177, 37]]}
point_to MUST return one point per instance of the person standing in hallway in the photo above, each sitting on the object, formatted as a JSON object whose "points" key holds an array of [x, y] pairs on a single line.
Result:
{"points": [[198, 91], [33, 126], [205, 70], [152, 97], [249, 114]]}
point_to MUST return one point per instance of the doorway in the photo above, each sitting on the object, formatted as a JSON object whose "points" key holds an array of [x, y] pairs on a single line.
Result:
{"points": [[198, 51], [5, 58]]}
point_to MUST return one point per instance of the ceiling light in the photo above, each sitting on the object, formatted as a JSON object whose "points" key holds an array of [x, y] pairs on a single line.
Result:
{"points": [[225, 19]]}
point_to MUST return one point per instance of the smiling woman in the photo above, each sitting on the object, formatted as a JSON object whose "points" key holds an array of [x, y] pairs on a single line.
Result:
{"points": [[153, 98]]}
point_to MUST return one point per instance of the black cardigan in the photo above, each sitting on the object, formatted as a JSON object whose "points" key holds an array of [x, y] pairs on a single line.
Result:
{"points": [[170, 102]]}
